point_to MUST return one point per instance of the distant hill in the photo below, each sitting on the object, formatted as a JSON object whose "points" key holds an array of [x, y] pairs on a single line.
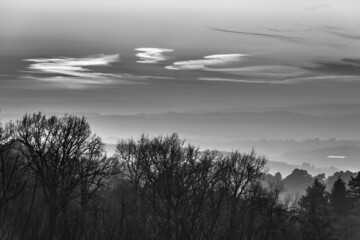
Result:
{"points": [[343, 157], [323, 109], [285, 168], [230, 126], [273, 166], [292, 135]]}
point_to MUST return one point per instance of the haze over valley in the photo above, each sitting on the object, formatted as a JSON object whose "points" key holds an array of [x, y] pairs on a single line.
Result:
{"points": [[277, 76]]}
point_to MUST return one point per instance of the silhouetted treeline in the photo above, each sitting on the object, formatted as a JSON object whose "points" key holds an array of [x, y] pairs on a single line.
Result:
{"points": [[57, 183], [296, 183]]}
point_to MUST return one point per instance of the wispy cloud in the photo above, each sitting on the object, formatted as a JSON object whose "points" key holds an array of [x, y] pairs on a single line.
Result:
{"points": [[320, 6], [267, 71], [343, 67], [234, 80], [334, 30], [324, 78], [107, 80], [345, 35], [152, 55], [282, 30], [220, 66], [75, 67], [71, 82], [72, 72], [352, 61], [297, 40], [203, 64], [76, 73], [294, 80]]}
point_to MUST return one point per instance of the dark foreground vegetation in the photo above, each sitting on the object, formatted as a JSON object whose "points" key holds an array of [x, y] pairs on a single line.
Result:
{"points": [[57, 183]]}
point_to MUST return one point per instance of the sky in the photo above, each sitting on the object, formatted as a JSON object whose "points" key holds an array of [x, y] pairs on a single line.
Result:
{"points": [[246, 73], [141, 56], [123, 57]]}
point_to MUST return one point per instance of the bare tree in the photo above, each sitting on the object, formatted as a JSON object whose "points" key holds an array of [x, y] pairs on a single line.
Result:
{"points": [[12, 181], [242, 173], [187, 191], [66, 157], [175, 182]]}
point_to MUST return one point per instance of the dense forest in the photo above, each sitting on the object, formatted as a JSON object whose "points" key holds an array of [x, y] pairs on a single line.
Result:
{"points": [[56, 182]]}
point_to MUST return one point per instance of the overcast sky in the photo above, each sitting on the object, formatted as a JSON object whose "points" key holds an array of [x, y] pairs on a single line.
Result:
{"points": [[130, 56]]}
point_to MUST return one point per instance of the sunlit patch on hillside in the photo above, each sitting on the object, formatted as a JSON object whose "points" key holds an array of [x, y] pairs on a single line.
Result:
{"points": [[336, 157]]}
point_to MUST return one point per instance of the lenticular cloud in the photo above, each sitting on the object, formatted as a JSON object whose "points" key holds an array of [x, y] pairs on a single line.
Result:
{"points": [[75, 67], [73, 73], [202, 64], [152, 55]]}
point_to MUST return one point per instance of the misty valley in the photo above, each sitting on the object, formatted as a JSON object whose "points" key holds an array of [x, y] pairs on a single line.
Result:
{"points": [[57, 182], [179, 120]]}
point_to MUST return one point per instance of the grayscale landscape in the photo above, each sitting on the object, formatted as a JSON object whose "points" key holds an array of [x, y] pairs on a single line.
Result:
{"points": [[179, 119]]}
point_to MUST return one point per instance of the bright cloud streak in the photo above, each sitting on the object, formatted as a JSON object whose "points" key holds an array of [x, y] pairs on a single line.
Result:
{"points": [[73, 72], [75, 67], [152, 55], [201, 64]]}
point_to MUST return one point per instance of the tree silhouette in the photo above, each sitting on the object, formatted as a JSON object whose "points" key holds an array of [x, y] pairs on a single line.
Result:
{"points": [[176, 183], [315, 220], [66, 158], [297, 181], [354, 191], [12, 169], [183, 193], [338, 198], [57, 183], [12, 183]]}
